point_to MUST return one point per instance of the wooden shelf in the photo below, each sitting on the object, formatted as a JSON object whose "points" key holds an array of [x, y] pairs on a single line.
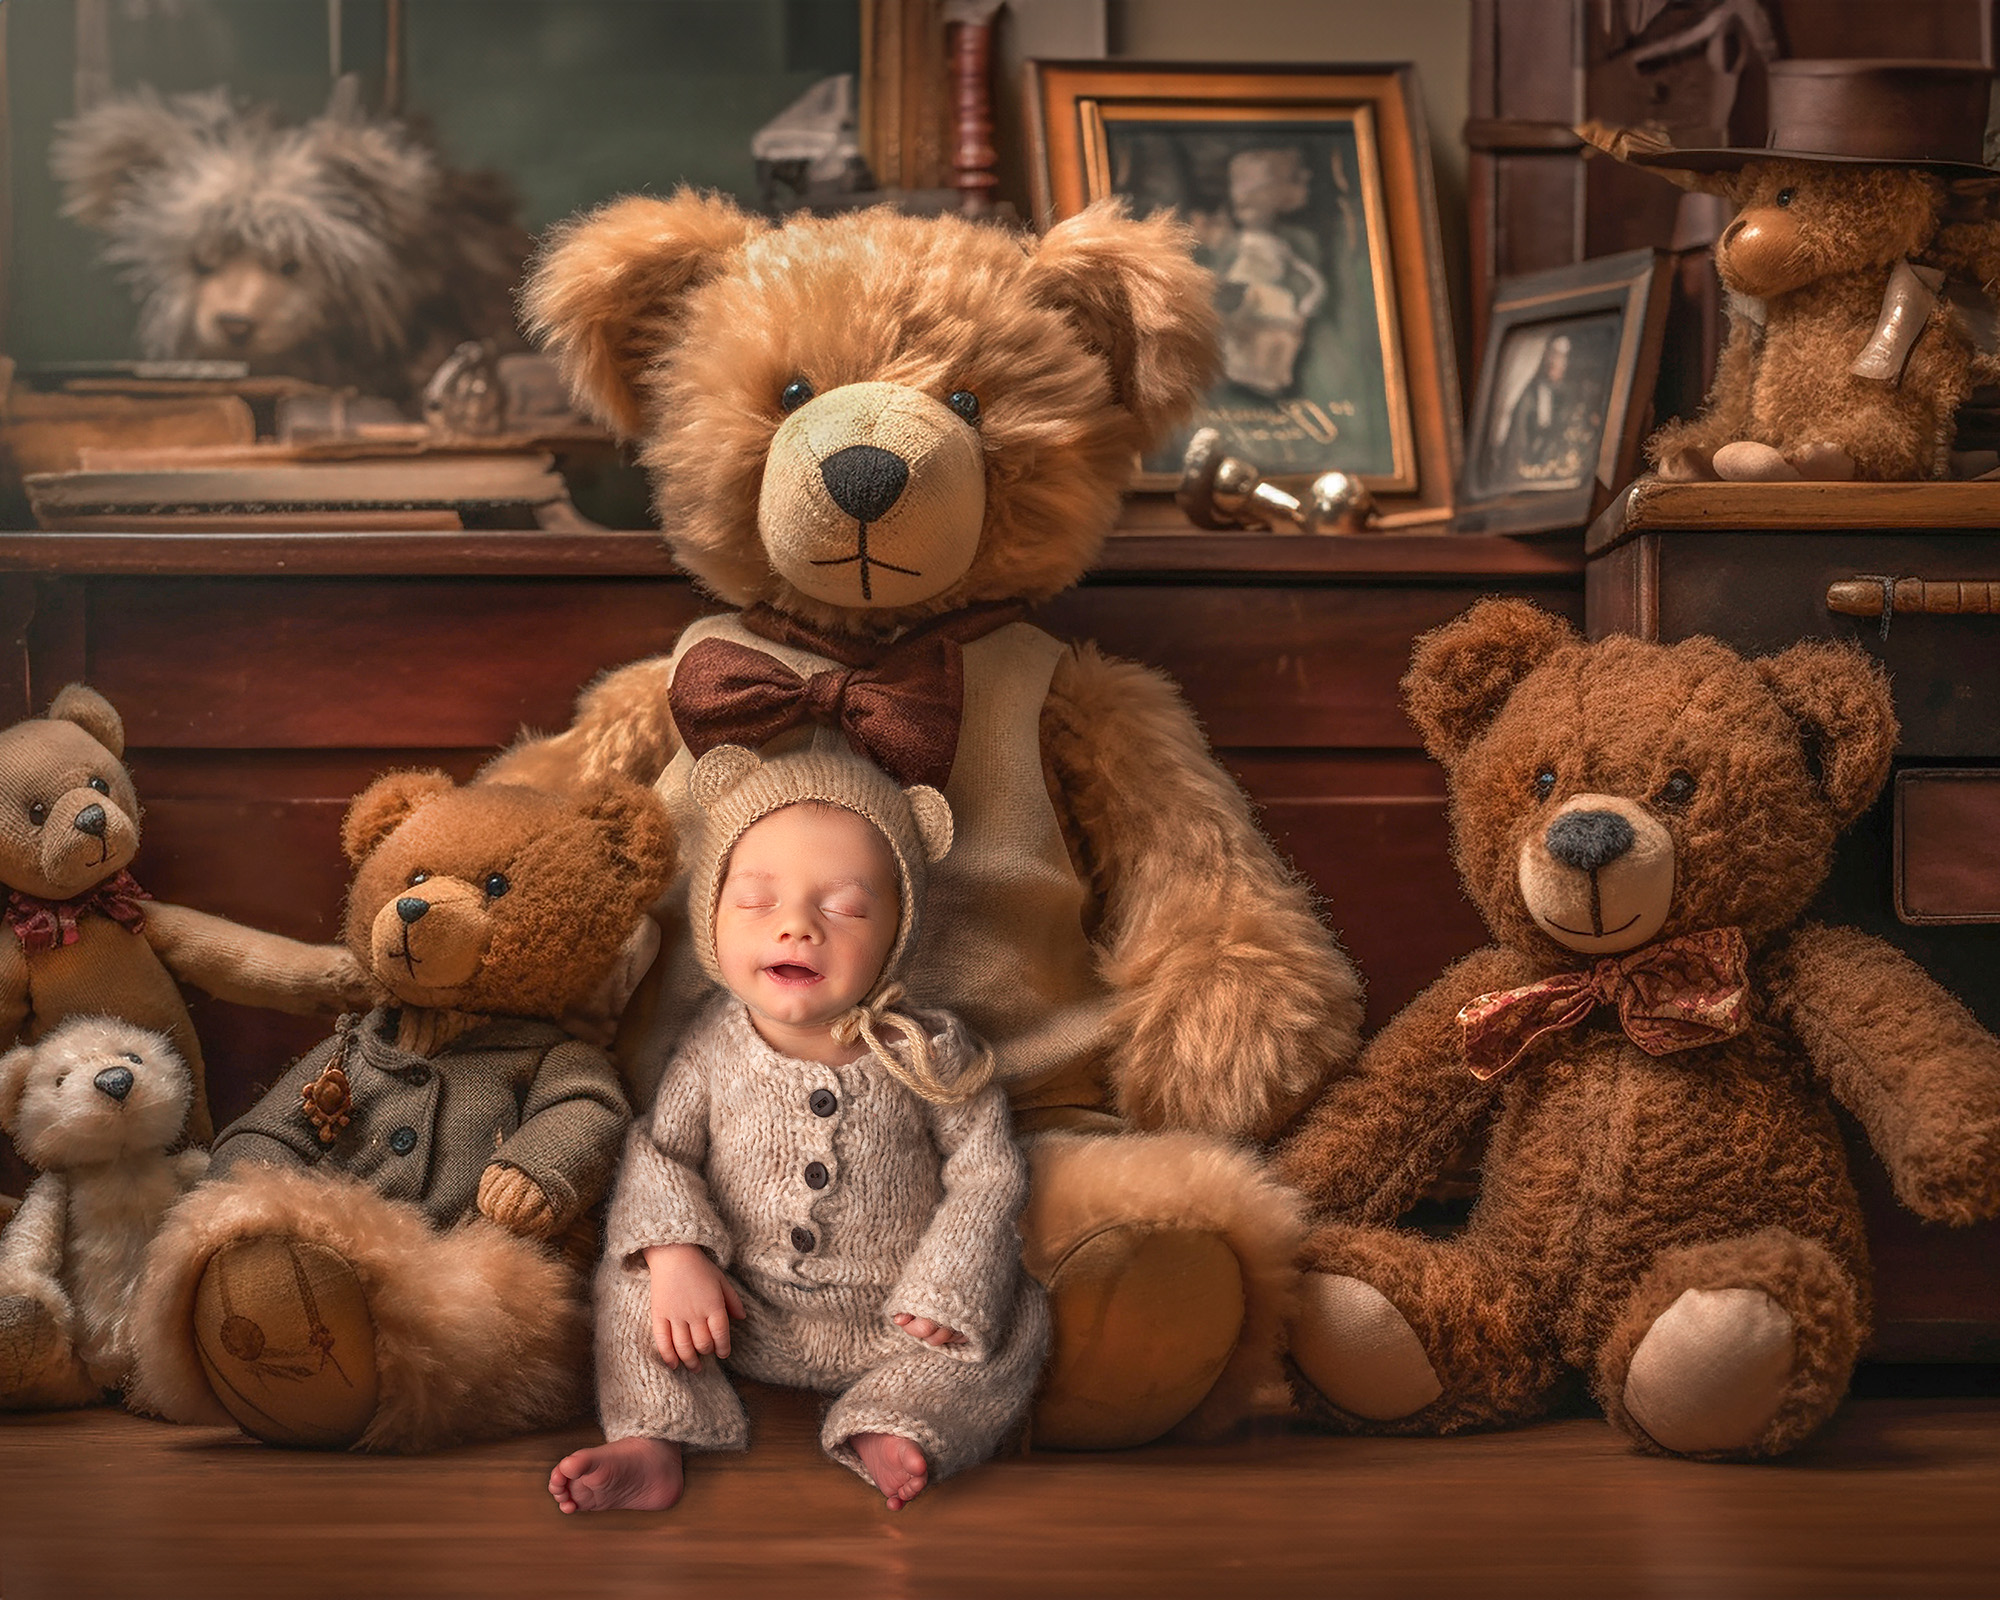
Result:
{"points": [[1651, 504]]}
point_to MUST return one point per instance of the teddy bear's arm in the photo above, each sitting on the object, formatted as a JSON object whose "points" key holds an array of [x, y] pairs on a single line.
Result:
{"points": [[31, 1246], [13, 988], [622, 729], [250, 968], [1379, 1134], [571, 1119], [1684, 449], [1905, 1057], [1233, 1001]]}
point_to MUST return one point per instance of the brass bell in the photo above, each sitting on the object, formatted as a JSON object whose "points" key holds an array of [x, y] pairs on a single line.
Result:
{"points": [[1220, 490]]}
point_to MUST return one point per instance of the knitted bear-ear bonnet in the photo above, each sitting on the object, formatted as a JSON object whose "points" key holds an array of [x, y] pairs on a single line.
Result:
{"points": [[736, 788]]}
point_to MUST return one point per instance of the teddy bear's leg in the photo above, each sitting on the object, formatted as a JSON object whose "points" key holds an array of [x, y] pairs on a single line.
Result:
{"points": [[1168, 1261], [474, 1333], [39, 1368], [1737, 1348], [1400, 1333]]}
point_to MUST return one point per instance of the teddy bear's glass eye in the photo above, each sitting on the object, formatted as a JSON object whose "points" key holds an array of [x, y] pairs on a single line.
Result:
{"points": [[1678, 790], [1785, 196], [417, 878], [99, 785], [796, 394], [135, 1058], [496, 886], [288, 269], [38, 813], [1545, 783], [965, 403]]}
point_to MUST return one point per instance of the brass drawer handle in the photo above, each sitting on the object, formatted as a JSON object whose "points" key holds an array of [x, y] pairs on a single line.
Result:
{"points": [[1874, 595]]}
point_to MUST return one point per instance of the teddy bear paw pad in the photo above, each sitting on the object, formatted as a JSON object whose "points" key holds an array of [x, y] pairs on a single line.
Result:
{"points": [[285, 1337], [1143, 1323], [1358, 1350], [1712, 1371]]}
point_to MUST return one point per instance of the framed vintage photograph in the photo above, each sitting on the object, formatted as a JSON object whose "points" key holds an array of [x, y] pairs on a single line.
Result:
{"points": [[1564, 394], [1310, 193]]}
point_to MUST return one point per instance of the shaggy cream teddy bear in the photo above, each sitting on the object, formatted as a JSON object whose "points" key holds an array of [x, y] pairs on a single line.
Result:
{"points": [[96, 1105]]}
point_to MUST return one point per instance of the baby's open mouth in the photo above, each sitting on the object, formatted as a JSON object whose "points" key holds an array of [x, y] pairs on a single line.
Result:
{"points": [[790, 972]]}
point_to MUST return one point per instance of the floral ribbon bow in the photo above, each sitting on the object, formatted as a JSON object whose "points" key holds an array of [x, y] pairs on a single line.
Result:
{"points": [[50, 924], [1673, 995], [898, 703]]}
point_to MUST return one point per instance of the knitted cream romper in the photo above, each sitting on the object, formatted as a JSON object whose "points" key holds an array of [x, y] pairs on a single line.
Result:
{"points": [[832, 1197]]}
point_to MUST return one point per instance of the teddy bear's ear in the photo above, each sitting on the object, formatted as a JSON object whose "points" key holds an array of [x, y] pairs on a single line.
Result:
{"points": [[381, 807], [14, 1068], [607, 292], [1840, 699], [1462, 673], [103, 156], [91, 712], [1138, 298], [721, 770], [641, 834], [933, 816]]}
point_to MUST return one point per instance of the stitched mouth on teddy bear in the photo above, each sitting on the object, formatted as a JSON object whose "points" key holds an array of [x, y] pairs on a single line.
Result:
{"points": [[85, 839], [425, 944], [1598, 876]]}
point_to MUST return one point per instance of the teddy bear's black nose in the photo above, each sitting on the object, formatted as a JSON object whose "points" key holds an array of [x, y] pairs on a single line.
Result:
{"points": [[411, 907], [235, 327], [90, 820], [115, 1081], [864, 480], [1588, 840]]}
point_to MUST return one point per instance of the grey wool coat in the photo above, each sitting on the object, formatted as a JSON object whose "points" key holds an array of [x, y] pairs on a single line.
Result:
{"points": [[423, 1128]]}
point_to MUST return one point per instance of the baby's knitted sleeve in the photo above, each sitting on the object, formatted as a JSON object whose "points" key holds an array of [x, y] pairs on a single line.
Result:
{"points": [[661, 1196], [965, 1269]]}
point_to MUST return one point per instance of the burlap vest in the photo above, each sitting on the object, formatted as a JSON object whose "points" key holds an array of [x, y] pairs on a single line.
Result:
{"points": [[1002, 942]]}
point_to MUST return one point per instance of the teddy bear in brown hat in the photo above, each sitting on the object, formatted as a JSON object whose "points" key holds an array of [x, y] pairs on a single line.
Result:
{"points": [[1859, 267], [375, 1258], [1657, 1042]]}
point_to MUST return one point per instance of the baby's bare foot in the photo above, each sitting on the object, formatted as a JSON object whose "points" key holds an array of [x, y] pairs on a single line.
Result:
{"points": [[895, 1463], [626, 1475]]}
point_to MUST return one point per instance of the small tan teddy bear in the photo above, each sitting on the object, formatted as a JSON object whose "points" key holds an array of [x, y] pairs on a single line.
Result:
{"points": [[96, 1105]]}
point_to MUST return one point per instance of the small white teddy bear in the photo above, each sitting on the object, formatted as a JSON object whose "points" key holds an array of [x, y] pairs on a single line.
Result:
{"points": [[95, 1105]]}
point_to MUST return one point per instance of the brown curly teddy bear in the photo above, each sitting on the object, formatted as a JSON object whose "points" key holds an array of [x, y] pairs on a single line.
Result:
{"points": [[1658, 1043], [1859, 267], [884, 436], [374, 1258], [82, 938]]}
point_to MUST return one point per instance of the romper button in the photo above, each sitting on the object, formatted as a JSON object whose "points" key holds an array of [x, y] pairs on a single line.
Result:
{"points": [[815, 1175], [822, 1102], [802, 1241], [403, 1141]]}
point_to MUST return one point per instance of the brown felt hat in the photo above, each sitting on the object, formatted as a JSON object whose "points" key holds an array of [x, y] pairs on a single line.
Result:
{"points": [[1885, 113]]}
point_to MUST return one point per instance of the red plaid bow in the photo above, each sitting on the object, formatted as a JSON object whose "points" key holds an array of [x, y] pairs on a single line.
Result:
{"points": [[49, 924], [898, 704], [1673, 995]]}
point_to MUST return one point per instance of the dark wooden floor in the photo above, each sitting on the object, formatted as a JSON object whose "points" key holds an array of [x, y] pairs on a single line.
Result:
{"points": [[1900, 1497]]}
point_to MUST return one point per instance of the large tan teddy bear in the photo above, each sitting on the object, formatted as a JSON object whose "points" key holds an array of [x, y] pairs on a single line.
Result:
{"points": [[882, 437], [1657, 1039], [390, 1250], [82, 938]]}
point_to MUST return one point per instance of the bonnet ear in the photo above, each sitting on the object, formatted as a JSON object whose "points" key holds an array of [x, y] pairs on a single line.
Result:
{"points": [[607, 293], [384, 806], [1840, 699], [721, 770], [932, 814], [1462, 673], [91, 712], [1138, 298]]}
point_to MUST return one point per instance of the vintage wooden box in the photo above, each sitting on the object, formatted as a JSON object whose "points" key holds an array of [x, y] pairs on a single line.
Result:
{"points": [[1761, 566]]}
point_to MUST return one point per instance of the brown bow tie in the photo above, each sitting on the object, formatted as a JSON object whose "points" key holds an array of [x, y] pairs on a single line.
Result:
{"points": [[1673, 995], [50, 924], [897, 702]]}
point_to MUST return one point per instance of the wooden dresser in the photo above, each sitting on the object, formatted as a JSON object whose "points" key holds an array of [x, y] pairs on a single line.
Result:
{"points": [[264, 679], [1761, 566]]}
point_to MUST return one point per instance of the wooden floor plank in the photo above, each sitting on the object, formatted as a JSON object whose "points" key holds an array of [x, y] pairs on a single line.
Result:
{"points": [[1898, 1497]]}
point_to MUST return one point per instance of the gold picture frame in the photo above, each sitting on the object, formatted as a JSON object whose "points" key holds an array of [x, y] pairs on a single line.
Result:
{"points": [[1310, 192]]}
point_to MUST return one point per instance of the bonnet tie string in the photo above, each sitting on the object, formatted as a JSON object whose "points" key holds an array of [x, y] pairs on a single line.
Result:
{"points": [[919, 1073]]}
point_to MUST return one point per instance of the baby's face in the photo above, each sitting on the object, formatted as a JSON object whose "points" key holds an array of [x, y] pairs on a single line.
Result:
{"points": [[807, 914]]}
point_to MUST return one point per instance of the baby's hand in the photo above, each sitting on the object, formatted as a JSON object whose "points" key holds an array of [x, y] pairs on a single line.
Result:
{"points": [[932, 1333], [692, 1304]]}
